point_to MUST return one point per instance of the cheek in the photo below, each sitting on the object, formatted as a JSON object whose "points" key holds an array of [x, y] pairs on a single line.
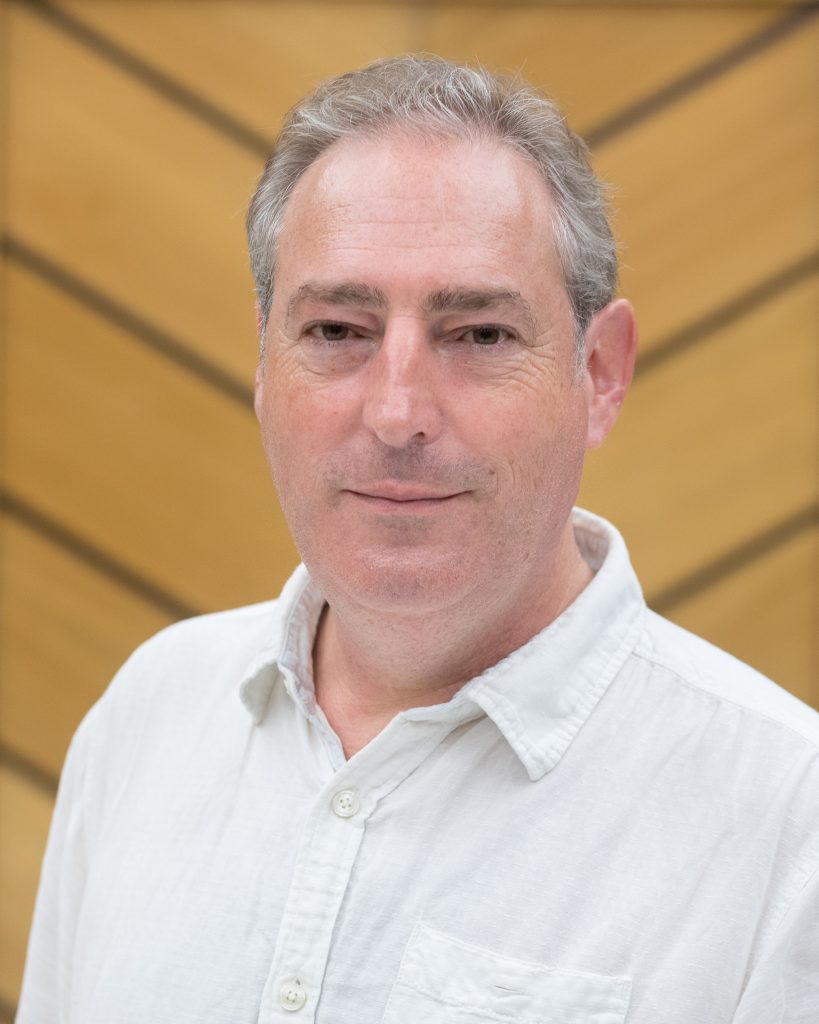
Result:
{"points": [[304, 423], [538, 447]]}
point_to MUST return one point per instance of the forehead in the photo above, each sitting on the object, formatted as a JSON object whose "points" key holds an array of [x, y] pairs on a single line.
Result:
{"points": [[415, 210]]}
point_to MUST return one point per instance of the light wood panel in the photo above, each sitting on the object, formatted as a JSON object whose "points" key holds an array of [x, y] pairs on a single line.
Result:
{"points": [[25, 811], [721, 190], [128, 449], [254, 60], [717, 445], [129, 193], [596, 61], [67, 627], [767, 615]]}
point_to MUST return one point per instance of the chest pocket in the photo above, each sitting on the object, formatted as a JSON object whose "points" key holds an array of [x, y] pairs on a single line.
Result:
{"points": [[444, 981]]}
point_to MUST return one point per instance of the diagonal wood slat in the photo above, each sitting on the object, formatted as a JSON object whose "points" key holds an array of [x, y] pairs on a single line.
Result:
{"points": [[717, 445], [148, 204], [66, 629], [766, 615], [20, 854], [720, 192], [595, 61], [165, 474], [253, 60]]}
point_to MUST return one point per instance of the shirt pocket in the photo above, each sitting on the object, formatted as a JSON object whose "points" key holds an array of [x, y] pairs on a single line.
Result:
{"points": [[444, 981]]}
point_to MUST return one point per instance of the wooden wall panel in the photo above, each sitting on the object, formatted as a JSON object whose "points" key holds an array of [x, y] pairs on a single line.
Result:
{"points": [[128, 192], [125, 447], [720, 192], [26, 812], [253, 60], [767, 613], [595, 61], [66, 626], [716, 445]]}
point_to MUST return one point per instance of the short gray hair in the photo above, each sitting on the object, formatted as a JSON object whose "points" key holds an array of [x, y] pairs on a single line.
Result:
{"points": [[435, 96]]}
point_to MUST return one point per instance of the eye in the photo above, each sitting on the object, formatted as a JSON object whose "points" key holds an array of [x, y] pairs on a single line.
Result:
{"points": [[487, 334], [330, 330]]}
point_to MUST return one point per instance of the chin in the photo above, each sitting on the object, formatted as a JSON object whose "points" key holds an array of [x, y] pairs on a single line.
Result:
{"points": [[409, 582]]}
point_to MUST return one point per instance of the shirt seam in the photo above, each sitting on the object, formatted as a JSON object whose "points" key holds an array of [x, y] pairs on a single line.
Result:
{"points": [[693, 684]]}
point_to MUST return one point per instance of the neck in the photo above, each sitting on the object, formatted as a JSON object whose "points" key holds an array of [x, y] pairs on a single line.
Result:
{"points": [[370, 665]]}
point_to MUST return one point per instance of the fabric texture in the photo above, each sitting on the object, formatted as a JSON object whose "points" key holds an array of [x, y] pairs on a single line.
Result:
{"points": [[616, 823]]}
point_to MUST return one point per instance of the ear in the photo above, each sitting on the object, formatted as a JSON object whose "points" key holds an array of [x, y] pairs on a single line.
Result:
{"points": [[611, 348]]}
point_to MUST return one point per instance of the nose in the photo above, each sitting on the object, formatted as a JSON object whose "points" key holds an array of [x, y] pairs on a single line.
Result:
{"points": [[401, 405]]}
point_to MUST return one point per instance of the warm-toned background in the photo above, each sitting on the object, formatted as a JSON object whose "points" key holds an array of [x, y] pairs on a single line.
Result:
{"points": [[134, 491]]}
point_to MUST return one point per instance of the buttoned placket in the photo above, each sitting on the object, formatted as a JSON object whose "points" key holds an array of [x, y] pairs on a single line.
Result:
{"points": [[327, 852]]}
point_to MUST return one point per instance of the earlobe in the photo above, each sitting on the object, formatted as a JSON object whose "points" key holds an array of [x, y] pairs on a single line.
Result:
{"points": [[611, 348]]}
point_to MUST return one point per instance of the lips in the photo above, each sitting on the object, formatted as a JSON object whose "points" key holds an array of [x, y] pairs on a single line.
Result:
{"points": [[403, 493], [402, 498]]}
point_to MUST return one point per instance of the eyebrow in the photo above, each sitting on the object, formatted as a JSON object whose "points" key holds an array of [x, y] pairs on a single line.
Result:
{"points": [[443, 300], [345, 293], [474, 300]]}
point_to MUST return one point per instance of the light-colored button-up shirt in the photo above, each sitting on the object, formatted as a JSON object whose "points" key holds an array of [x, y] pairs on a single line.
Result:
{"points": [[616, 823]]}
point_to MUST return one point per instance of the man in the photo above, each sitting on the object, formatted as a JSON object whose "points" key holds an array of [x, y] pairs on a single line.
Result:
{"points": [[458, 771]]}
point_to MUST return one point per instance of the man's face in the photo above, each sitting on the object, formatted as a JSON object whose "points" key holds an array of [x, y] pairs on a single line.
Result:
{"points": [[419, 400]]}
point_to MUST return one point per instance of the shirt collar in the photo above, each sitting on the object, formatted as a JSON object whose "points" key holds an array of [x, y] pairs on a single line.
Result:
{"points": [[539, 696]]}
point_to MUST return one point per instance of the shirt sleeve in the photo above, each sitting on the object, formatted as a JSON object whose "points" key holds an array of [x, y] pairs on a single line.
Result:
{"points": [[784, 986], [46, 990]]}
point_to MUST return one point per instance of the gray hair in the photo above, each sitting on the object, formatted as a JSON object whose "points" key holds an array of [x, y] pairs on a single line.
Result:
{"points": [[435, 96]]}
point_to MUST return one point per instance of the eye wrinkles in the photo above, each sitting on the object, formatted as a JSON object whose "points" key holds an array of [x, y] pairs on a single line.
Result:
{"points": [[334, 332]]}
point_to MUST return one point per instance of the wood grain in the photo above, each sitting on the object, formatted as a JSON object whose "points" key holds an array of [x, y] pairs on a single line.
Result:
{"points": [[767, 615], [66, 629], [717, 445], [26, 812], [130, 193], [125, 447]]}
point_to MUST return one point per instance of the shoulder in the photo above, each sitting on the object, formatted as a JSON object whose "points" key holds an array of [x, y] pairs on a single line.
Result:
{"points": [[722, 679], [209, 636], [186, 667]]}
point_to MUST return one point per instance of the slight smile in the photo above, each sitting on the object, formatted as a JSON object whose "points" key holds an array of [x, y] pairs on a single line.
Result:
{"points": [[403, 499]]}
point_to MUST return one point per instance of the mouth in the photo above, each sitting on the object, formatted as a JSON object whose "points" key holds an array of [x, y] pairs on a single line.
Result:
{"points": [[407, 499]]}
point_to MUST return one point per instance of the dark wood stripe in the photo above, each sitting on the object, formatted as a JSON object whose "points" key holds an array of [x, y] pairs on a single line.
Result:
{"points": [[735, 309], [735, 560], [28, 770], [161, 83], [128, 320], [691, 81], [8, 1011], [95, 557]]}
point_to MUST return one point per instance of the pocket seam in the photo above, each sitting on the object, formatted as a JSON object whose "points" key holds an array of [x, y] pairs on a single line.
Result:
{"points": [[621, 985], [482, 1011]]}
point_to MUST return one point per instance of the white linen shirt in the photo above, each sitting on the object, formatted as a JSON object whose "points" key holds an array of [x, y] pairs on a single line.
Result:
{"points": [[616, 823]]}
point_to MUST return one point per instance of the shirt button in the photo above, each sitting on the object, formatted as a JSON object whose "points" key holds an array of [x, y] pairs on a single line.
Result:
{"points": [[292, 996], [346, 803]]}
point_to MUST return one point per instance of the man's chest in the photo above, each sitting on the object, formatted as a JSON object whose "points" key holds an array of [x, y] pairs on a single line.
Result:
{"points": [[464, 892]]}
